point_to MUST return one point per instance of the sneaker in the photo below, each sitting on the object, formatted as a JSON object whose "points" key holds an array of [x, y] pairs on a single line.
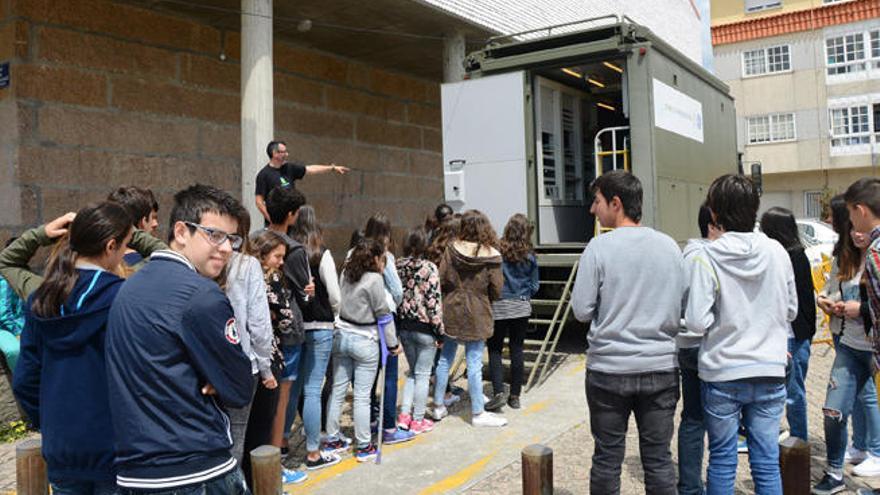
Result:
{"points": [[868, 467], [828, 485], [742, 446], [336, 445], [450, 399], [488, 419], [440, 412], [403, 421], [324, 459], [421, 426], [496, 402], [456, 390], [854, 455], [291, 476], [513, 402], [365, 454], [396, 435]]}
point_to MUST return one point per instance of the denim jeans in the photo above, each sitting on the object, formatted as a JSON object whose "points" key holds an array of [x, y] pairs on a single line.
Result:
{"points": [[231, 483], [691, 430], [389, 398], [796, 388], [419, 348], [238, 421], [651, 397], [850, 386], [292, 356], [355, 360], [515, 328], [761, 404], [313, 368], [474, 358], [68, 487], [859, 434]]}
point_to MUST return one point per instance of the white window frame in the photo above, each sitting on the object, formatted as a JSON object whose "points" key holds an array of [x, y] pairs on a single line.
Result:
{"points": [[826, 2], [812, 199], [765, 54], [762, 6], [866, 66], [768, 126]]}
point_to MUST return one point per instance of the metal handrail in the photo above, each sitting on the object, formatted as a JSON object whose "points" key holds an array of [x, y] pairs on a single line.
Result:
{"points": [[549, 29]]}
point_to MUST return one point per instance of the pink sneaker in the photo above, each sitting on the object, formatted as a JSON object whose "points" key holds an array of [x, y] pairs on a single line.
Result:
{"points": [[404, 421], [423, 426]]}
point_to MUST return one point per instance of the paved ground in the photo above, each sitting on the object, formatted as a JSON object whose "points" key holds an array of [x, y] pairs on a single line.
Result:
{"points": [[457, 458]]}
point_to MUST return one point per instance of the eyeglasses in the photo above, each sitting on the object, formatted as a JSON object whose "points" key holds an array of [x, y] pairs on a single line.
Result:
{"points": [[218, 237]]}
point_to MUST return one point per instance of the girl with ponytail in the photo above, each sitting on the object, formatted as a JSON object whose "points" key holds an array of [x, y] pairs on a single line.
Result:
{"points": [[60, 380]]}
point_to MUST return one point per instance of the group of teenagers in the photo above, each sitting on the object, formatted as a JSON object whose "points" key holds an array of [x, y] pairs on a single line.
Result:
{"points": [[154, 366], [726, 325]]}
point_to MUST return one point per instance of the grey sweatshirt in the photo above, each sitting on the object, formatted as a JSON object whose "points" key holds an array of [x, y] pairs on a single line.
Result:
{"points": [[687, 339], [629, 284], [246, 291], [363, 303], [741, 299]]}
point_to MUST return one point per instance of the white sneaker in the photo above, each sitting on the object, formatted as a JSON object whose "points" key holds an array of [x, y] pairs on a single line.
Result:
{"points": [[440, 412], [488, 419], [854, 455], [868, 467]]}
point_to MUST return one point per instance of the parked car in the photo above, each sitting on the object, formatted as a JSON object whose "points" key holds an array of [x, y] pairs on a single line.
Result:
{"points": [[818, 238]]}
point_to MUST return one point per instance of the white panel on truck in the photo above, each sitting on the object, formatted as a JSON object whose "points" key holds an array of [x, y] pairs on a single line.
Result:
{"points": [[484, 147]]}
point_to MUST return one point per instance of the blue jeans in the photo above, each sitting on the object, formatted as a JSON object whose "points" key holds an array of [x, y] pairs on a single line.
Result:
{"points": [[355, 360], [474, 358], [231, 483], [389, 398], [420, 349], [761, 405], [691, 430], [313, 368], [67, 487], [850, 386], [796, 388], [859, 434]]}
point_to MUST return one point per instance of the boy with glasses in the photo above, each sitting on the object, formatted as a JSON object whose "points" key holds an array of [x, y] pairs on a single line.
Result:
{"points": [[174, 356]]}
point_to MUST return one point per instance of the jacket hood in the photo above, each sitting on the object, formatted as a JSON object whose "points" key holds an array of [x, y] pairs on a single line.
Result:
{"points": [[466, 256], [692, 246], [742, 254], [84, 314]]}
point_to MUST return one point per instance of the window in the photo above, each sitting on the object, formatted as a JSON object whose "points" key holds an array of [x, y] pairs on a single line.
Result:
{"points": [[771, 128], [845, 53], [849, 126], [766, 60], [759, 5], [833, 1], [875, 48], [812, 209]]}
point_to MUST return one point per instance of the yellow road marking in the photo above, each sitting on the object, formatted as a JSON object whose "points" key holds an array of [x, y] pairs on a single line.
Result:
{"points": [[456, 480], [347, 464], [538, 406]]}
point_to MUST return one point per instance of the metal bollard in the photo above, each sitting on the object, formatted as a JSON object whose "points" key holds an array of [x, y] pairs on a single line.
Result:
{"points": [[30, 468], [537, 470], [794, 465], [266, 470]]}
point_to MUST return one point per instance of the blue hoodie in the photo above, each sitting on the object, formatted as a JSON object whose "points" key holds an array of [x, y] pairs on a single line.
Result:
{"points": [[61, 380]]}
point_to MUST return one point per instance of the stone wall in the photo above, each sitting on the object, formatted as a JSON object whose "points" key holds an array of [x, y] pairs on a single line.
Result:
{"points": [[106, 94]]}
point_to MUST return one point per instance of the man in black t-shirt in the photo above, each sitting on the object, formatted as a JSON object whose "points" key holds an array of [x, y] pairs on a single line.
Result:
{"points": [[280, 172]]}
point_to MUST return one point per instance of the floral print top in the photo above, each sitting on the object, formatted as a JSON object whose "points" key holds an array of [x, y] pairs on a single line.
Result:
{"points": [[421, 293], [279, 309]]}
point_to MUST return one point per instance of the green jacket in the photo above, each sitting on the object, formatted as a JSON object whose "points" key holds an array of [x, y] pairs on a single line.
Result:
{"points": [[15, 258]]}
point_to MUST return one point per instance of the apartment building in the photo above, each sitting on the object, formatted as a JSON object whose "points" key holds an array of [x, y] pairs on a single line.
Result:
{"points": [[806, 78]]}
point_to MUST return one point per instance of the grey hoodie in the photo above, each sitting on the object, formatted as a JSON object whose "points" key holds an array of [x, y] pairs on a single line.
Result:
{"points": [[687, 339], [741, 299]]}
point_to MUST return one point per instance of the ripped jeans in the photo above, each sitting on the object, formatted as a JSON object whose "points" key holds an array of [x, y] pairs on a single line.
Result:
{"points": [[851, 378]]}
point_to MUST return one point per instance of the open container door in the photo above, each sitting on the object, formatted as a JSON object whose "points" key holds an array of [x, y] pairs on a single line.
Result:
{"points": [[484, 147]]}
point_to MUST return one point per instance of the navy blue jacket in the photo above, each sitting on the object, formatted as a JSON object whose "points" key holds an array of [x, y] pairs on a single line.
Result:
{"points": [[171, 331], [520, 279], [61, 380]]}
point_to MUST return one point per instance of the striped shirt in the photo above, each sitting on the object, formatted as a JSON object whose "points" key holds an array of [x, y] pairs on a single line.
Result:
{"points": [[872, 270], [508, 309]]}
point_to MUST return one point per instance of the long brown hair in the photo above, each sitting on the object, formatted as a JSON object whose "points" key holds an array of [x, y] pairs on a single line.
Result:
{"points": [[516, 243], [362, 259], [444, 235], [476, 227], [308, 232], [379, 228], [260, 245], [849, 256], [91, 230]]}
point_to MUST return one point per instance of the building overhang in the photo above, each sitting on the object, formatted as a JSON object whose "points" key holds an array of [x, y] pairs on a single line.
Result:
{"points": [[400, 35]]}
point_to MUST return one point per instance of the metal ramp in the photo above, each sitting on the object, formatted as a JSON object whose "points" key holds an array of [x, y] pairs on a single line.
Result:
{"points": [[551, 312]]}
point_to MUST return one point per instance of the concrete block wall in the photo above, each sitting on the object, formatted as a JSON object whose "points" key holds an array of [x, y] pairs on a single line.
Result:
{"points": [[105, 94]]}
